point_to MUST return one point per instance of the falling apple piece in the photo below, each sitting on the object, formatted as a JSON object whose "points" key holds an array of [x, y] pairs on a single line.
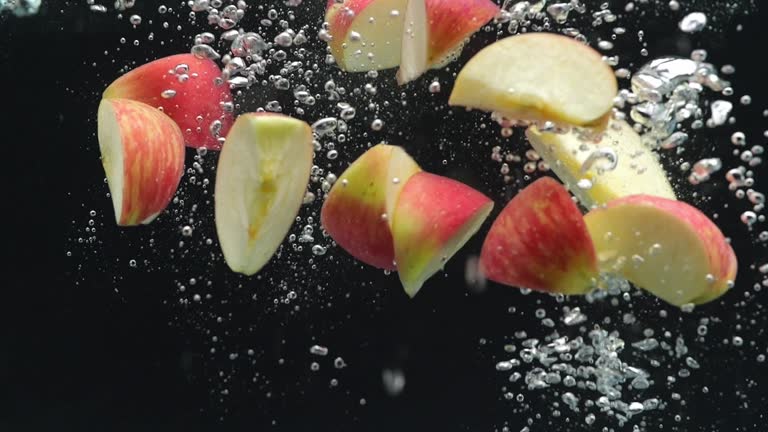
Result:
{"points": [[357, 211], [187, 88], [365, 34], [142, 151], [261, 180], [667, 247], [435, 31], [540, 241], [619, 165], [539, 77], [433, 218]]}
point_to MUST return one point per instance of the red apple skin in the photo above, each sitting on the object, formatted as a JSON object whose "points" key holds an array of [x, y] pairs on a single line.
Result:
{"points": [[153, 160], [336, 14], [452, 21], [540, 241], [198, 96]]}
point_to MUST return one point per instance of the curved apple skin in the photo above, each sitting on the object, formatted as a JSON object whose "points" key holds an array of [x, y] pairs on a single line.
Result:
{"points": [[540, 241], [539, 77], [202, 95], [357, 212], [434, 217], [667, 247], [142, 152]]}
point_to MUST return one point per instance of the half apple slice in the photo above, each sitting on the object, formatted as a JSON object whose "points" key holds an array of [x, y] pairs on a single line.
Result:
{"points": [[261, 180]]}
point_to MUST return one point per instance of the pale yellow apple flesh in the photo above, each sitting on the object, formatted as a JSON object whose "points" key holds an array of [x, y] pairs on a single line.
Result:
{"points": [[539, 77], [637, 170], [261, 179]]}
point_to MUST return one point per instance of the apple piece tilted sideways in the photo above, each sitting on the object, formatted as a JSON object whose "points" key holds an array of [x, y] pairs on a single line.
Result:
{"points": [[435, 31], [540, 241], [357, 211], [539, 77], [619, 165], [666, 247], [365, 34], [142, 151], [261, 180], [187, 88], [433, 218]]}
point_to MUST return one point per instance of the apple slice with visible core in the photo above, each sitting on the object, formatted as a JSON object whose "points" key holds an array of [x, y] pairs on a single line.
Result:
{"points": [[357, 211], [261, 180], [187, 88], [637, 168], [539, 77], [435, 31], [667, 247], [366, 34], [540, 241], [142, 151], [433, 218]]}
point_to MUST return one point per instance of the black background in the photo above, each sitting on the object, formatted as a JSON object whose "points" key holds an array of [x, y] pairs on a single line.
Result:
{"points": [[88, 343]]}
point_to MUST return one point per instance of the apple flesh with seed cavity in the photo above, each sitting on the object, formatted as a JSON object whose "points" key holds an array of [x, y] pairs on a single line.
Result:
{"points": [[261, 180], [142, 151], [667, 247], [366, 34], [635, 167], [540, 241], [435, 31], [188, 89], [357, 212], [539, 77], [433, 218]]}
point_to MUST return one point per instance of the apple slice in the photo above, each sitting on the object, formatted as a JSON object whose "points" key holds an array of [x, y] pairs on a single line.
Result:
{"points": [[539, 77], [187, 88], [540, 241], [142, 151], [667, 247], [637, 169], [261, 180], [433, 218], [366, 34], [357, 211], [435, 31]]}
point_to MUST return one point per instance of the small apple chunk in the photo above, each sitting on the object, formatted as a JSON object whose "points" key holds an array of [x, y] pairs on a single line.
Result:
{"points": [[433, 218], [435, 31], [539, 77], [619, 165], [357, 212], [261, 180], [667, 247], [187, 88], [540, 241], [142, 151], [365, 34]]}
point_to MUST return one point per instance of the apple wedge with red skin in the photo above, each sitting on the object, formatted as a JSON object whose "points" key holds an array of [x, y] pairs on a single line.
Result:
{"points": [[434, 217], [357, 211], [188, 89], [142, 151], [540, 241], [435, 31], [664, 246]]}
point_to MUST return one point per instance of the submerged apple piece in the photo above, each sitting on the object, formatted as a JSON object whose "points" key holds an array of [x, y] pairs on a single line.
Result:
{"points": [[433, 218], [435, 31], [142, 151], [261, 180], [365, 34], [357, 212], [619, 165], [187, 88], [667, 247], [539, 77], [540, 241]]}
